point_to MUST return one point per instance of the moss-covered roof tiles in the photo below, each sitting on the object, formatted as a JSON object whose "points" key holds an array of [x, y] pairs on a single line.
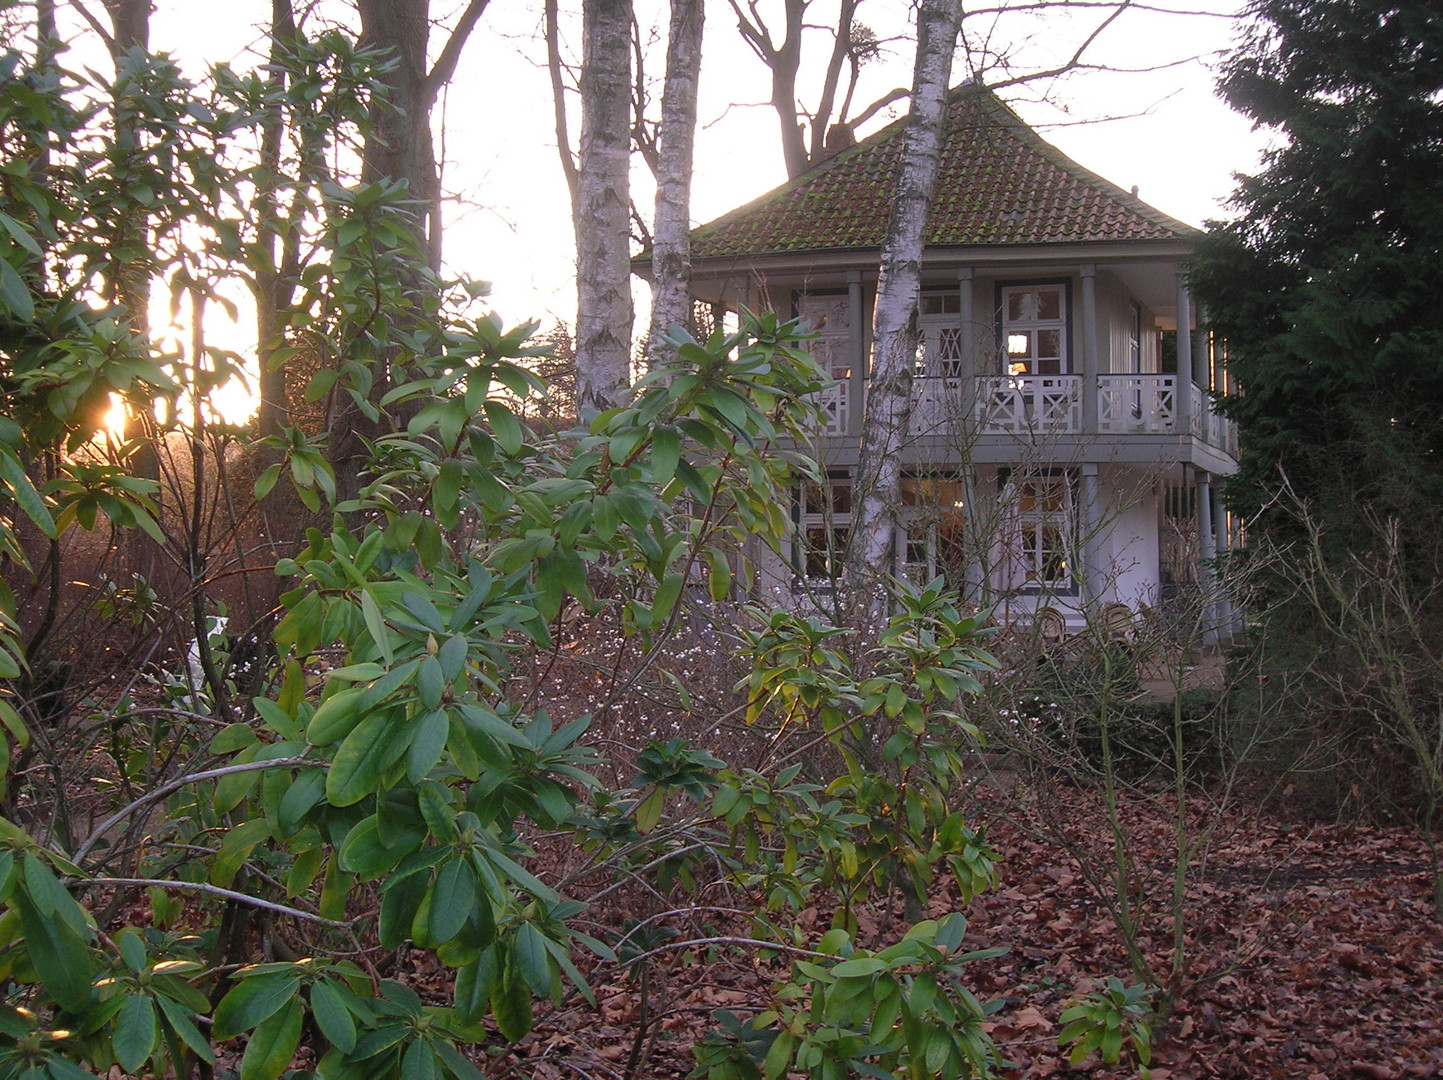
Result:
{"points": [[999, 183]]}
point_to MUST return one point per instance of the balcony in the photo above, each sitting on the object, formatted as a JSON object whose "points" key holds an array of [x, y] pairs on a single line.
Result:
{"points": [[1029, 406]]}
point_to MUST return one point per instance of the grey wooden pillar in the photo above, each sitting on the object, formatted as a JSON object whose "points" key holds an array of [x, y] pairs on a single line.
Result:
{"points": [[1184, 356], [856, 351], [966, 362], [1090, 364], [1094, 580], [1207, 552]]}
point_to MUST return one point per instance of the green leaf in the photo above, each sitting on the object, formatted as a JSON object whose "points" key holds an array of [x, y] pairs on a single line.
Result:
{"points": [[511, 1007], [530, 959], [363, 852], [428, 745], [267, 480], [43, 887], [277, 718], [372, 748], [58, 955], [236, 848], [376, 625], [135, 1032], [418, 1062], [181, 1021], [665, 452], [332, 1017], [335, 717], [430, 683], [779, 1055], [399, 904], [251, 1001], [504, 426], [457, 1065], [15, 293], [453, 656], [273, 1044], [303, 794], [452, 898], [231, 738], [648, 813], [26, 497], [475, 985], [864, 965]]}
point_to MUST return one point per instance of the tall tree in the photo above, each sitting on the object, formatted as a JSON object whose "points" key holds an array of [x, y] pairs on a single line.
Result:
{"points": [[399, 146], [671, 229], [895, 326], [602, 210], [399, 149], [805, 132], [1326, 286]]}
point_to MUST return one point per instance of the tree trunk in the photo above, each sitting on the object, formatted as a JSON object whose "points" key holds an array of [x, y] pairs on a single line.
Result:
{"points": [[602, 211], [878, 486], [671, 231], [399, 148], [272, 287], [130, 283]]}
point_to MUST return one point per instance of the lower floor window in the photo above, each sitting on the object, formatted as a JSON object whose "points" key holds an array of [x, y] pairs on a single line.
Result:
{"points": [[1038, 532], [1033, 530], [824, 526], [933, 533]]}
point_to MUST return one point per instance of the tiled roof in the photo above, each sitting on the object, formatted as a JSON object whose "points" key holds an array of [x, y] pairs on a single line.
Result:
{"points": [[999, 183]]}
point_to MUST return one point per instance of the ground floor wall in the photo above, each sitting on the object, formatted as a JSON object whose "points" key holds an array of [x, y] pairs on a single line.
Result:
{"points": [[1064, 540]]}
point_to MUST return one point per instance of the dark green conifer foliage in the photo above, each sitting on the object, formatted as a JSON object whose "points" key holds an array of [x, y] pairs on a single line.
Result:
{"points": [[1329, 285]]}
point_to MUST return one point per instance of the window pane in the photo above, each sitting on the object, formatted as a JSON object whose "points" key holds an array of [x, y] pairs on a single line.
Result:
{"points": [[1019, 345], [1049, 303], [1049, 344]]}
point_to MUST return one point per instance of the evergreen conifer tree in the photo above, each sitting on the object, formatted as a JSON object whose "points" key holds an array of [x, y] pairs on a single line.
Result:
{"points": [[1328, 287]]}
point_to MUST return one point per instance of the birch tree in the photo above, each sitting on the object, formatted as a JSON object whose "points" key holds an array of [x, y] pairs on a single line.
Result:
{"points": [[601, 212], [895, 327], [671, 229]]}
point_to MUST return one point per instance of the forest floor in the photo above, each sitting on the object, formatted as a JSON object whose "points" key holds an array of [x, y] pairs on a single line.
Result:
{"points": [[1310, 952]]}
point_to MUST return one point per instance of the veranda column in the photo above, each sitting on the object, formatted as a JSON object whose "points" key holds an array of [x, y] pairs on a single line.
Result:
{"points": [[974, 523], [856, 351], [1225, 611], [1093, 572], [965, 431], [965, 422], [1207, 551], [1089, 348], [1184, 356]]}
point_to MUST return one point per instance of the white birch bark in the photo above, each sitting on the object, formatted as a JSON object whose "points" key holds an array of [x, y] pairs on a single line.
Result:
{"points": [[671, 232], [603, 205], [877, 488]]}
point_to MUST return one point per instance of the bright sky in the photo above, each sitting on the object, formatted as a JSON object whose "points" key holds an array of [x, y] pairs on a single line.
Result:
{"points": [[511, 224]]}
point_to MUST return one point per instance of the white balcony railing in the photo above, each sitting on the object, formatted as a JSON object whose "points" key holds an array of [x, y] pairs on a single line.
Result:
{"points": [[1031, 405], [1136, 403]]}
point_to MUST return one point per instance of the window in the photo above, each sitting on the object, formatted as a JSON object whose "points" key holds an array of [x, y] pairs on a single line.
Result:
{"points": [[1039, 532], [824, 522], [829, 315], [939, 348], [932, 523], [1034, 329]]}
